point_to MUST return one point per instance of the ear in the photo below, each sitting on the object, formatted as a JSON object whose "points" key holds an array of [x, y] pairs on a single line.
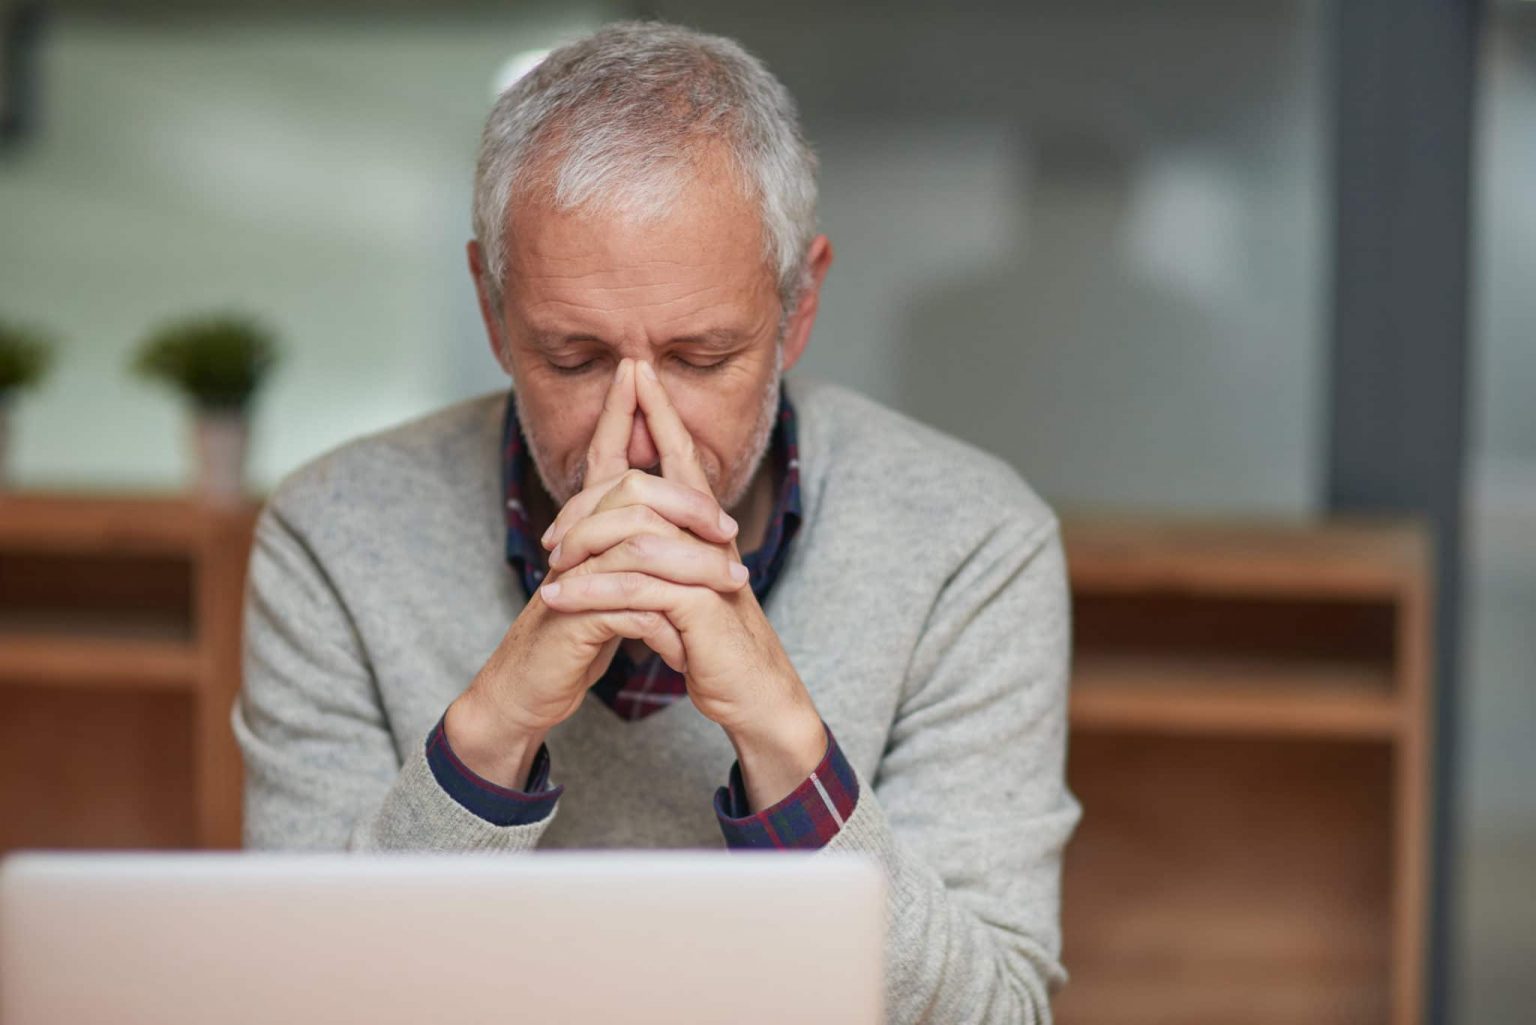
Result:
{"points": [[797, 333], [489, 315]]}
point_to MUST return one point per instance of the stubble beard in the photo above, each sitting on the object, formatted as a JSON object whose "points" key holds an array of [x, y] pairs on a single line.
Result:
{"points": [[738, 477]]}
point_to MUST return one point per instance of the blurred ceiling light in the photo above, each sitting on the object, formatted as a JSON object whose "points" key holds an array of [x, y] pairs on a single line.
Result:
{"points": [[514, 68]]}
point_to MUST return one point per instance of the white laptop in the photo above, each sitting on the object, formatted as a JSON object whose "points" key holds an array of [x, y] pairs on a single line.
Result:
{"points": [[550, 938]]}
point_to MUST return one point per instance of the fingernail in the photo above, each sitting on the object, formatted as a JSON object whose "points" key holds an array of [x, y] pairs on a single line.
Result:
{"points": [[549, 530], [618, 372], [739, 573], [551, 590], [727, 524], [554, 556], [648, 370]]}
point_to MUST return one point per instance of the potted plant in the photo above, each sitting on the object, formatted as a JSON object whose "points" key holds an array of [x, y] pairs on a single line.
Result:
{"points": [[25, 356], [217, 361]]}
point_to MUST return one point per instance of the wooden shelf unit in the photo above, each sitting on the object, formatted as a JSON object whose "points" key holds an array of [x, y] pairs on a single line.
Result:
{"points": [[1250, 741], [119, 660]]}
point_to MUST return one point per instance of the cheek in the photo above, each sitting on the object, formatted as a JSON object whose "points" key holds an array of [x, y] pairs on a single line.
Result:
{"points": [[565, 412], [718, 417]]}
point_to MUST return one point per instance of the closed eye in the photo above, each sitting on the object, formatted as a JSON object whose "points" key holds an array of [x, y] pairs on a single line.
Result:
{"points": [[703, 367], [583, 367]]}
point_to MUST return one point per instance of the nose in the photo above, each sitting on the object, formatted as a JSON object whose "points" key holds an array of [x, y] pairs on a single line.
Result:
{"points": [[642, 447]]}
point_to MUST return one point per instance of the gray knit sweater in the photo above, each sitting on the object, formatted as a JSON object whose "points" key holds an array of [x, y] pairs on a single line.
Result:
{"points": [[924, 603]]}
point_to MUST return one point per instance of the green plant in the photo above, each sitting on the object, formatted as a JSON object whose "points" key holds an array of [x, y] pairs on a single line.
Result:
{"points": [[218, 360], [25, 356]]}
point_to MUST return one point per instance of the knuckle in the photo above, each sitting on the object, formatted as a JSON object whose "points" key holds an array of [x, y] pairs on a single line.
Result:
{"points": [[706, 508], [590, 627], [612, 496]]}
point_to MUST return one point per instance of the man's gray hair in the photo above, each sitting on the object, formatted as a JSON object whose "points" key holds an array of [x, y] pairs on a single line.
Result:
{"points": [[617, 121]]}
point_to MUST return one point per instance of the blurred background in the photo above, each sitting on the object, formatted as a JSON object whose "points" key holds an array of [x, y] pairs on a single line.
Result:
{"points": [[1232, 259]]}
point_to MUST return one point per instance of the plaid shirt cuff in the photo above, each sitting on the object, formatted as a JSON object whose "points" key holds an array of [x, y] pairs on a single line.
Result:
{"points": [[498, 805], [806, 820]]}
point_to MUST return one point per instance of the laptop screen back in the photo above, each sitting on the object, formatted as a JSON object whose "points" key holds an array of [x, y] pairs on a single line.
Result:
{"points": [[744, 938]]}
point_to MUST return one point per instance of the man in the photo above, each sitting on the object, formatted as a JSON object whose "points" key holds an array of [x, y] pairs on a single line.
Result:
{"points": [[656, 558]]}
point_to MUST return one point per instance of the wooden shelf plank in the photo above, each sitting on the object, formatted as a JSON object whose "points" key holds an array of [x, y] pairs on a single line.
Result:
{"points": [[123, 662], [120, 616], [1237, 880], [1347, 558], [1233, 696], [117, 522]]}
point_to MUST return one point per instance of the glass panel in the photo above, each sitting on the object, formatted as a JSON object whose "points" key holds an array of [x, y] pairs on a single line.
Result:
{"points": [[1498, 762], [1081, 235], [315, 172], [1089, 237]]}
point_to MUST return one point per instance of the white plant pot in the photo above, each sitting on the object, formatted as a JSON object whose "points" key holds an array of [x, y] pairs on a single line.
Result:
{"points": [[220, 439], [5, 443]]}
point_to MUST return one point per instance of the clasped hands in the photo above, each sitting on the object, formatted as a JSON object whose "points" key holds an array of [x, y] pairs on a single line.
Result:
{"points": [[649, 558]]}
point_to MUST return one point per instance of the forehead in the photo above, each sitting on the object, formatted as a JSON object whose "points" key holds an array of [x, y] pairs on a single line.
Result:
{"points": [[709, 237]]}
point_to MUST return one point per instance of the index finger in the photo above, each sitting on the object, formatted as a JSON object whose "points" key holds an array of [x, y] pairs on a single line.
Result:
{"points": [[679, 457], [608, 452]]}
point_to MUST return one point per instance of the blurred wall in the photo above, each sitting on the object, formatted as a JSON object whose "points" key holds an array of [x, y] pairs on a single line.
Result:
{"points": [[1497, 931], [1086, 236], [316, 173]]}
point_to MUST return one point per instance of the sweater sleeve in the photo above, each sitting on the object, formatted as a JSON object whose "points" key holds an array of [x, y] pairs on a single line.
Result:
{"points": [[970, 812], [322, 770]]}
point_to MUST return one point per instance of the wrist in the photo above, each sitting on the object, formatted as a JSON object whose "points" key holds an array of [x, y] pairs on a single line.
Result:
{"points": [[778, 753], [493, 749]]}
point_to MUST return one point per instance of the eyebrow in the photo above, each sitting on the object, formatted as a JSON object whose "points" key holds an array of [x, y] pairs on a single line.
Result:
{"points": [[712, 340]]}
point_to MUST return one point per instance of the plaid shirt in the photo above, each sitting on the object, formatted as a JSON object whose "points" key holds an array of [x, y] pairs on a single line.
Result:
{"points": [[808, 818]]}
